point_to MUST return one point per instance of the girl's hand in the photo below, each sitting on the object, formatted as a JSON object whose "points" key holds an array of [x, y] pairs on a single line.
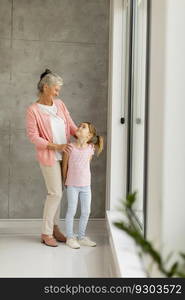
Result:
{"points": [[64, 186], [64, 148]]}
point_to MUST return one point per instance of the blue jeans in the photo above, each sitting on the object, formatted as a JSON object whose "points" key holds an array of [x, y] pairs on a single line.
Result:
{"points": [[84, 193]]}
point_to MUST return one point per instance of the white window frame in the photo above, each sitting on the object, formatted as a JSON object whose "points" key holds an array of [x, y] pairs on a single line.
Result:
{"points": [[126, 265], [116, 132]]}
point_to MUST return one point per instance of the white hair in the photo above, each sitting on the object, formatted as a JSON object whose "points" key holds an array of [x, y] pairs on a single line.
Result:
{"points": [[49, 79]]}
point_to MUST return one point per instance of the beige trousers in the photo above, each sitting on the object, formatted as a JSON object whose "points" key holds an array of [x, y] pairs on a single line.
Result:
{"points": [[53, 180]]}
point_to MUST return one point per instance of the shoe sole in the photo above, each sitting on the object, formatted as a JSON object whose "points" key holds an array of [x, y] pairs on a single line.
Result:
{"points": [[43, 242], [87, 245], [61, 241], [73, 247]]}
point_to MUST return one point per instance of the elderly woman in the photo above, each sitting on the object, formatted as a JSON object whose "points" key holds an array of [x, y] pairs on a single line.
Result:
{"points": [[49, 127]]}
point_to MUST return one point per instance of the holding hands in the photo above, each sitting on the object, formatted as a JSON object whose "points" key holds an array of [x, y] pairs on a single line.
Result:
{"points": [[61, 148]]}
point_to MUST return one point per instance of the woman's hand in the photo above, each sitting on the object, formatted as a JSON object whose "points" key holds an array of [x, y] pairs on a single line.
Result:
{"points": [[59, 147], [64, 148]]}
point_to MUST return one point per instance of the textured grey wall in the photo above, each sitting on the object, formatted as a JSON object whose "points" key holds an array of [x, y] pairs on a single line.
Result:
{"points": [[71, 38]]}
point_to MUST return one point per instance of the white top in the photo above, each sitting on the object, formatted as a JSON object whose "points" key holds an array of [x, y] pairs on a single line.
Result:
{"points": [[57, 126]]}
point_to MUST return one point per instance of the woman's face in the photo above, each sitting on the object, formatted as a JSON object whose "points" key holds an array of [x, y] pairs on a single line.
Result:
{"points": [[83, 131], [52, 91]]}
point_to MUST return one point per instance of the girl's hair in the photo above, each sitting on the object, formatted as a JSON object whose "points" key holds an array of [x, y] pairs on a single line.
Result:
{"points": [[97, 140], [49, 78]]}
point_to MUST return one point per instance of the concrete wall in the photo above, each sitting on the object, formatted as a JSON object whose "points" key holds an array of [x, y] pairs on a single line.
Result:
{"points": [[71, 38]]}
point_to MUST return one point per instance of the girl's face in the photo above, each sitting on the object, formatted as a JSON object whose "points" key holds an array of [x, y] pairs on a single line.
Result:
{"points": [[83, 131]]}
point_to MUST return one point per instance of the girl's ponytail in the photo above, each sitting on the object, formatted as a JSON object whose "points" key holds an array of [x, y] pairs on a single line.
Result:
{"points": [[96, 140], [99, 144]]}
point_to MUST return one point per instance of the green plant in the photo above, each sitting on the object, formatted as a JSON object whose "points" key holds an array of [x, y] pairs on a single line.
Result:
{"points": [[177, 268]]}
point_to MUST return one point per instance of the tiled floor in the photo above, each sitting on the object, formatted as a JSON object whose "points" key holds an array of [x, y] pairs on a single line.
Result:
{"points": [[22, 254]]}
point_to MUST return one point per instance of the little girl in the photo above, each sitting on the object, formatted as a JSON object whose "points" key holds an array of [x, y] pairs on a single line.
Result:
{"points": [[77, 178]]}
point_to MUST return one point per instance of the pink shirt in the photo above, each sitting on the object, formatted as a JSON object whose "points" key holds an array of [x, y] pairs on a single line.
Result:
{"points": [[39, 130], [78, 173]]}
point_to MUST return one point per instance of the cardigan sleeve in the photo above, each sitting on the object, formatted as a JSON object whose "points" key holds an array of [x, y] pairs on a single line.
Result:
{"points": [[32, 130], [72, 125]]}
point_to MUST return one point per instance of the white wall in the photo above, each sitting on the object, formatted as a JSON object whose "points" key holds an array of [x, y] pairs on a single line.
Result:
{"points": [[156, 113], [166, 190], [173, 209]]}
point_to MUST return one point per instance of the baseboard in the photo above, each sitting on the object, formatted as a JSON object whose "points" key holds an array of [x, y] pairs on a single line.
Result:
{"points": [[40, 220], [33, 226]]}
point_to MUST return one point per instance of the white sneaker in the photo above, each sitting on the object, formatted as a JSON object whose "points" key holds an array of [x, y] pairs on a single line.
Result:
{"points": [[86, 242], [72, 243]]}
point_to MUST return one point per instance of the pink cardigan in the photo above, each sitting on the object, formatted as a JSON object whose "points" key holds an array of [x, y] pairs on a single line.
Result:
{"points": [[40, 133]]}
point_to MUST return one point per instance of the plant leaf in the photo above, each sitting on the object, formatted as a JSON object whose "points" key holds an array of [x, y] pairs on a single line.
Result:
{"points": [[146, 246]]}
